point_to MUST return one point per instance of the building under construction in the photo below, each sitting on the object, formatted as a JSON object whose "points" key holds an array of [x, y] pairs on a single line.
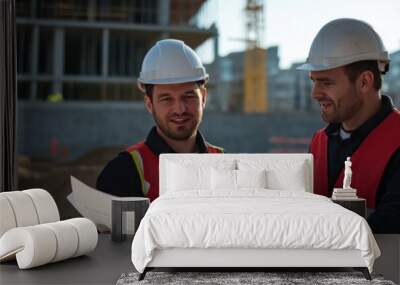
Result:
{"points": [[92, 50]]}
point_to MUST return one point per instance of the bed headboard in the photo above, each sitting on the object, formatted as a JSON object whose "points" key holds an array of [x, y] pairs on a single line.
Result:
{"points": [[237, 160]]}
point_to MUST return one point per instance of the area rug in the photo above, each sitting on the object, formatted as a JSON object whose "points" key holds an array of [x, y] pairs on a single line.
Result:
{"points": [[243, 278]]}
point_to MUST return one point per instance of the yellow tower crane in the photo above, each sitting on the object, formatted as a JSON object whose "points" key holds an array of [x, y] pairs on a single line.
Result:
{"points": [[255, 60]]}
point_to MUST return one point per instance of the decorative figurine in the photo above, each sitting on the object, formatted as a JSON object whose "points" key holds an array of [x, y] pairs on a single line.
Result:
{"points": [[347, 174], [347, 192]]}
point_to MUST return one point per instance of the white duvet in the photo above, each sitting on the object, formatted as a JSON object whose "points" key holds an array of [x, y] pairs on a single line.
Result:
{"points": [[253, 218]]}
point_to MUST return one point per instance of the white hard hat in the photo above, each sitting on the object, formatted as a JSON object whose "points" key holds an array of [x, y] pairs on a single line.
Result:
{"points": [[171, 61], [344, 41]]}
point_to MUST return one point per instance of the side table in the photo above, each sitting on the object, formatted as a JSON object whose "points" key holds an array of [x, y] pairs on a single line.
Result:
{"points": [[357, 205], [120, 209]]}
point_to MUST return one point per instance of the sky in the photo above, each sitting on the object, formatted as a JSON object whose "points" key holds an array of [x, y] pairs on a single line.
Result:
{"points": [[293, 24]]}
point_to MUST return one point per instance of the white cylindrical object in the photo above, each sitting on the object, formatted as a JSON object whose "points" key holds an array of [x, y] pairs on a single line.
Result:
{"points": [[34, 245], [67, 239], [23, 207], [7, 217], [87, 235], [40, 244], [45, 205]]}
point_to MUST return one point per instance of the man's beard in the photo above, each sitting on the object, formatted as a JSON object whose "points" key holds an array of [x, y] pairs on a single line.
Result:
{"points": [[339, 115], [181, 134], [342, 112]]}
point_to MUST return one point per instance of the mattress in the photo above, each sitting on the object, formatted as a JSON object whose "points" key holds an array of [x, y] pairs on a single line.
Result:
{"points": [[251, 219]]}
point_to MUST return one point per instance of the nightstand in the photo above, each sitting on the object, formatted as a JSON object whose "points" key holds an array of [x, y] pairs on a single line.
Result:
{"points": [[357, 205], [126, 216]]}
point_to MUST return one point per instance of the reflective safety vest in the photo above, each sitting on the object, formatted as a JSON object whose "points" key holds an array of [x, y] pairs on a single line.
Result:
{"points": [[146, 163], [368, 161]]}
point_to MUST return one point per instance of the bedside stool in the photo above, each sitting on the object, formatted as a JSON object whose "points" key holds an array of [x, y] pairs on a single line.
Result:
{"points": [[123, 210], [357, 205]]}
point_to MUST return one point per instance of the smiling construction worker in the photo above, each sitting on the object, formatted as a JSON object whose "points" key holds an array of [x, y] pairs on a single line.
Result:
{"points": [[346, 62], [173, 81]]}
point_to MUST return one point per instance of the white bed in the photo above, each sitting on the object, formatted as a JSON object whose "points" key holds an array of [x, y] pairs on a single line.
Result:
{"points": [[247, 210]]}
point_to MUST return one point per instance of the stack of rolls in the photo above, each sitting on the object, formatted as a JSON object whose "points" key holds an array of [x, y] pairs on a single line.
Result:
{"points": [[31, 231]]}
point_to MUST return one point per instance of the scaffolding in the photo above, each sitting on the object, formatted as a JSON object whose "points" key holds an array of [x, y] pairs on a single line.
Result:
{"points": [[92, 50]]}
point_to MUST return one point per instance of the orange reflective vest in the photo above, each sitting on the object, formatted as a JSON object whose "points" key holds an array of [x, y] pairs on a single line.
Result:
{"points": [[368, 161], [146, 163]]}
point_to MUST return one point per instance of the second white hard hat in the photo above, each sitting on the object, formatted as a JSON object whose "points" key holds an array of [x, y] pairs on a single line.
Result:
{"points": [[169, 62], [344, 41]]}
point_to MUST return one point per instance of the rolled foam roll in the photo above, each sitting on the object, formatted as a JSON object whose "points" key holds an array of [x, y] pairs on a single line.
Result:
{"points": [[23, 208], [7, 217], [45, 205], [33, 246], [87, 235], [67, 239]]}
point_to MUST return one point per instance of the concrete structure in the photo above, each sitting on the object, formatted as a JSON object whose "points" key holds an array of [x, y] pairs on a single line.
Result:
{"points": [[92, 50]]}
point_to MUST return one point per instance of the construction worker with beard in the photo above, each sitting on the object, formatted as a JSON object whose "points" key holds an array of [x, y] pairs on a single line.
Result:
{"points": [[173, 81], [346, 61]]}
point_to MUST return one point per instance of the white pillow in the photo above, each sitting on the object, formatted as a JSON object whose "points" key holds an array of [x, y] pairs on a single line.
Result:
{"points": [[228, 179], [292, 179], [251, 178], [188, 177], [223, 179], [280, 174]]}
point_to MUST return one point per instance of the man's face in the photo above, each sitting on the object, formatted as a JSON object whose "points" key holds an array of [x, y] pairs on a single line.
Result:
{"points": [[177, 109], [337, 96]]}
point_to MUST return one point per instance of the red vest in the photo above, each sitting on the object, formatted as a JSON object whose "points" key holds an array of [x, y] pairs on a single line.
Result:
{"points": [[146, 163], [368, 161]]}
